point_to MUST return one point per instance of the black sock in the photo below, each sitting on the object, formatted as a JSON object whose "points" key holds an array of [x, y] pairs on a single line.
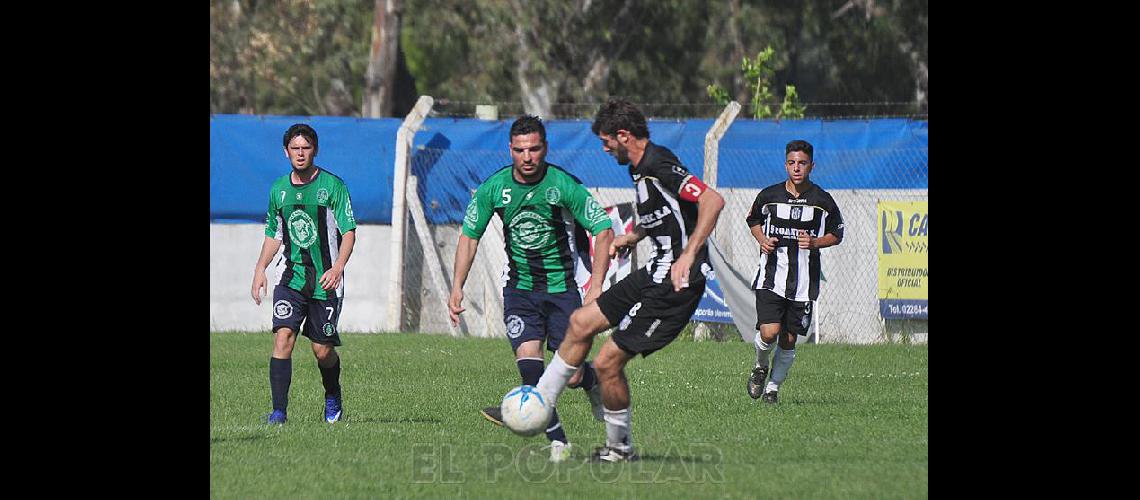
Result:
{"points": [[589, 376], [331, 378], [280, 375], [531, 371]]}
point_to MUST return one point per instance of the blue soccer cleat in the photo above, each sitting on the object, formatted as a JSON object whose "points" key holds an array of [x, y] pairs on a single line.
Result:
{"points": [[332, 409], [277, 417]]}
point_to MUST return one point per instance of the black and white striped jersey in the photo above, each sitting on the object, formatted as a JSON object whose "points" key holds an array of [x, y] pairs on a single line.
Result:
{"points": [[790, 271], [667, 210]]}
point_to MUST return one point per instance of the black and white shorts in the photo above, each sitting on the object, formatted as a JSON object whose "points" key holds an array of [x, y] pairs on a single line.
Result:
{"points": [[648, 315]]}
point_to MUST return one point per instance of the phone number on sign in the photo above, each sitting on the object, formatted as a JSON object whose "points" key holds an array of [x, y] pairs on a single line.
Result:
{"points": [[908, 309]]}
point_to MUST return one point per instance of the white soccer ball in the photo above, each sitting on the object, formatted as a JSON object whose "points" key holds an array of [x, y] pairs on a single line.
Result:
{"points": [[525, 411]]}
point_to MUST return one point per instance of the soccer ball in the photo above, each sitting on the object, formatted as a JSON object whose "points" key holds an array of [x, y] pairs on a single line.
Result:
{"points": [[525, 411]]}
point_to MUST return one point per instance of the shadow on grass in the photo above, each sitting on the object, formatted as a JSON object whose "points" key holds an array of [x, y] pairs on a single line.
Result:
{"points": [[255, 437], [371, 420], [676, 459]]}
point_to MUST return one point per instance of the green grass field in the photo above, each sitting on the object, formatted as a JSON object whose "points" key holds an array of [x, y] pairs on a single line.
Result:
{"points": [[851, 423]]}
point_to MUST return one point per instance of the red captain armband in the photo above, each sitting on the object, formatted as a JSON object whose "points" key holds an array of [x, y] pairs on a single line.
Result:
{"points": [[692, 188]]}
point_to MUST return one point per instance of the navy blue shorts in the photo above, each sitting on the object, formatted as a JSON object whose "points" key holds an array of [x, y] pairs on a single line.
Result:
{"points": [[291, 308], [538, 316]]}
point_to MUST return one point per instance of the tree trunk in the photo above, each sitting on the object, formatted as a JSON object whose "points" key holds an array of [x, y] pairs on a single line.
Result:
{"points": [[381, 75], [537, 96], [739, 86]]}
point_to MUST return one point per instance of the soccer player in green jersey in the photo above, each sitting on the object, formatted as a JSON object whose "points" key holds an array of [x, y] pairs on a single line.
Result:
{"points": [[545, 213], [310, 213]]}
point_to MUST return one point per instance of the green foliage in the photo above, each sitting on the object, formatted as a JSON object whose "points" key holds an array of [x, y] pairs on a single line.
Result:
{"points": [[791, 108], [289, 56], [718, 94], [292, 57], [852, 422], [759, 73]]}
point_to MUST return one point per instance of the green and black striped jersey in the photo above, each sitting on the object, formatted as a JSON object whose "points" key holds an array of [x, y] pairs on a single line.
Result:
{"points": [[541, 223], [309, 219]]}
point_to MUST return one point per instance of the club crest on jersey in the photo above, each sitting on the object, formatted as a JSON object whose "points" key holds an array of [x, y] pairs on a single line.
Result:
{"points": [[328, 329], [514, 326], [282, 309], [302, 230], [530, 230], [553, 195], [796, 212], [322, 195]]}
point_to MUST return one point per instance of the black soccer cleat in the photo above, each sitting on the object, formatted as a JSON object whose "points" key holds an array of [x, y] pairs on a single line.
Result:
{"points": [[756, 381], [770, 397], [608, 454], [494, 414]]}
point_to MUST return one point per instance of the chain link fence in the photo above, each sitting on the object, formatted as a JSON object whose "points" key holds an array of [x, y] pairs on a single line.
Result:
{"points": [[847, 310]]}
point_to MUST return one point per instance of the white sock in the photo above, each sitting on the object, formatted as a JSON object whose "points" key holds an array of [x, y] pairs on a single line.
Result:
{"points": [[554, 378], [761, 351], [781, 363], [617, 429]]}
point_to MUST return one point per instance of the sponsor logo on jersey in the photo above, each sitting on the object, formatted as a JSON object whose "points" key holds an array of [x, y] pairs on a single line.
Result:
{"points": [[594, 212], [298, 196], [679, 170], [553, 195], [282, 309], [472, 214], [322, 195], [794, 233], [530, 230], [302, 230], [514, 326], [654, 219], [797, 200]]}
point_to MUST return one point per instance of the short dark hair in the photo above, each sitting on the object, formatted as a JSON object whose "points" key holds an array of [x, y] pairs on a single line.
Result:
{"points": [[300, 129], [527, 124], [620, 114], [800, 145]]}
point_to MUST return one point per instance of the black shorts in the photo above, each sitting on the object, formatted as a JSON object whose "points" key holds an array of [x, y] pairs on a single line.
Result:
{"points": [[533, 315], [791, 315], [648, 315], [291, 308]]}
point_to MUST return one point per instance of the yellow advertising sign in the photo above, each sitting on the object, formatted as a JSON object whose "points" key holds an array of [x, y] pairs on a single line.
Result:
{"points": [[903, 269]]}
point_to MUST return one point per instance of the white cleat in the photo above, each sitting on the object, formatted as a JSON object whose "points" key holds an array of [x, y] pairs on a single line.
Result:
{"points": [[559, 451]]}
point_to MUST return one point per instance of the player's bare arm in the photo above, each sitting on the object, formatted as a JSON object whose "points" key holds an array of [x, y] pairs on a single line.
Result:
{"points": [[464, 255], [709, 205], [269, 248], [601, 264], [331, 278], [807, 241], [624, 243]]}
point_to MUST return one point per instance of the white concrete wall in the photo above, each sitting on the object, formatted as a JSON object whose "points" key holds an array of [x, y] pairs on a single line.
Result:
{"points": [[847, 311], [233, 252]]}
